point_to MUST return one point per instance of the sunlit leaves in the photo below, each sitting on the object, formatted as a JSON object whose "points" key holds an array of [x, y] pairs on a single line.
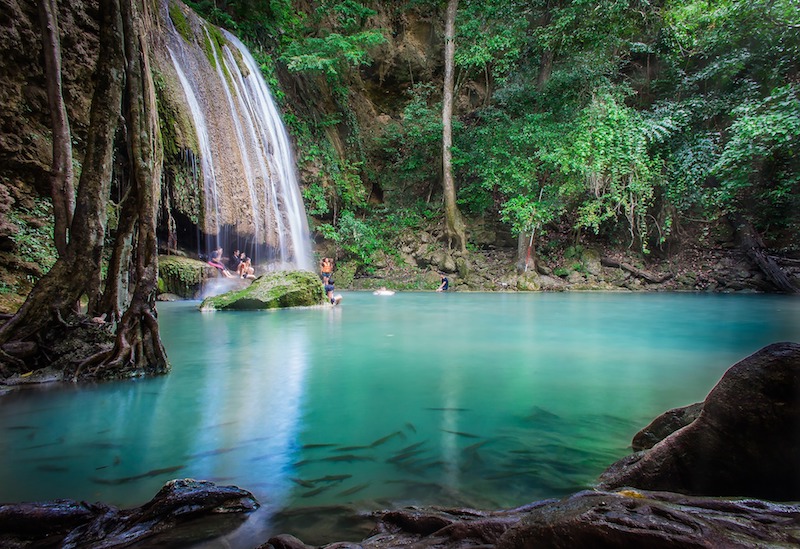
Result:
{"points": [[332, 54]]}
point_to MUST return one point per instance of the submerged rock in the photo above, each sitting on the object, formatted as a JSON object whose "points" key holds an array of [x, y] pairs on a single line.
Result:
{"points": [[745, 442], [271, 291]]}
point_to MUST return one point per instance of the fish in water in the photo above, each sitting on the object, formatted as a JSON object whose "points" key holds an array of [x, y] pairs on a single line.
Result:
{"points": [[404, 456], [303, 483], [226, 424], [461, 434], [410, 427], [331, 478], [20, 428], [125, 480], [450, 409], [315, 446], [59, 440], [474, 447], [316, 491], [348, 457], [410, 448], [352, 448], [216, 452], [387, 438], [51, 468], [354, 489], [104, 445]]}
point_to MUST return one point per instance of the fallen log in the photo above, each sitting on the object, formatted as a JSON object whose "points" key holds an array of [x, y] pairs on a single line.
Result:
{"points": [[752, 244], [649, 277]]}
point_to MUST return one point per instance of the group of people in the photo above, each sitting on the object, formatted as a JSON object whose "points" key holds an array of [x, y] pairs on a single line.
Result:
{"points": [[239, 263]]}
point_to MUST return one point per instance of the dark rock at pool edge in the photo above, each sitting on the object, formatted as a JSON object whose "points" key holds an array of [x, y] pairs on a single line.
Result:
{"points": [[69, 523], [745, 442]]}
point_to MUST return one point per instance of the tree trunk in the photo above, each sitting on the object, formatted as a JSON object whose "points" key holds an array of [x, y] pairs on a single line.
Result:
{"points": [[115, 297], [61, 174], [138, 344], [455, 228], [57, 292], [545, 69], [752, 244]]}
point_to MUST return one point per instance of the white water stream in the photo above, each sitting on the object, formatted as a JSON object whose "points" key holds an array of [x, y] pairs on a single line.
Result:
{"points": [[251, 192]]}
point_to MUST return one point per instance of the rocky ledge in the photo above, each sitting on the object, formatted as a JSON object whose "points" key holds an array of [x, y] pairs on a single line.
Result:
{"points": [[271, 291]]}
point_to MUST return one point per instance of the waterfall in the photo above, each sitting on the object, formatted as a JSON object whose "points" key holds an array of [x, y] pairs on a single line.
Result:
{"points": [[251, 193]]}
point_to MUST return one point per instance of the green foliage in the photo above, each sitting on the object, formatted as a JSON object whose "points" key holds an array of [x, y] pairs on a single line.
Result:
{"points": [[356, 238], [491, 36], [332, 42], [181, 23], [332, 54], [214, 12], [34, 236], [412, 148], [609, 151], [763, 132]]}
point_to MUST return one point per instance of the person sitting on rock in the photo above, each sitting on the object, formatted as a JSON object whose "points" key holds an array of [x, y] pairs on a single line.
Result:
{"points": [[245, 269], [236, 260], [216, 261]]}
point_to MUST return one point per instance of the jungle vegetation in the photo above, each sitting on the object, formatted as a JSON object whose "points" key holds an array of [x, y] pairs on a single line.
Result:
{"points": [[622, 119]]}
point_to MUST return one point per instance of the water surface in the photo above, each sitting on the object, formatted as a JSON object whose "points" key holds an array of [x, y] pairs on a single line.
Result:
{"points": [[488, 400]]}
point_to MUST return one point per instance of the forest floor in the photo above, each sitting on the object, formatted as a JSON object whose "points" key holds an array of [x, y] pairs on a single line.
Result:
{"points": [[704, 258]]}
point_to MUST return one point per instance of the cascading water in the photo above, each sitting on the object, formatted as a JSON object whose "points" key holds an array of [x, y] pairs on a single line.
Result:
{"points": [[251, 194]]}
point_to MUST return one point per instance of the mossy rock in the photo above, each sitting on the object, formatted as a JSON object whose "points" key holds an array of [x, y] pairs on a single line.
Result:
{"points": [[271, 291], [181, 275]]}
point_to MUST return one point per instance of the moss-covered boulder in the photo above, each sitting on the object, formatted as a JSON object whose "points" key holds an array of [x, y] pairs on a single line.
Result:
{"points": [[182, 276], [271, 291]]}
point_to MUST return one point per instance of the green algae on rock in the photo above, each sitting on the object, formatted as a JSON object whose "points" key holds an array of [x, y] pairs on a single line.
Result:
{"points": [[271, 291], [182, 276]]}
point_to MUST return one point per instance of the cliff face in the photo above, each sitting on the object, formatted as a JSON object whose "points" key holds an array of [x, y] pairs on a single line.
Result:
{"points": [[25, 137], [25, 143]]}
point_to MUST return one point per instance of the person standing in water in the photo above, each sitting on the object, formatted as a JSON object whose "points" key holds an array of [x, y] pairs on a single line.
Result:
{"points": [[444, 285]]}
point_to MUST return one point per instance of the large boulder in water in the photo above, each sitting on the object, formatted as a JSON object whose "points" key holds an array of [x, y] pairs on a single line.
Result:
{"points": [[271, 291], [745, 442]]}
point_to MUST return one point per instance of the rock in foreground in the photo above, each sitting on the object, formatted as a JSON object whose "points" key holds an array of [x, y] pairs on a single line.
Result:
{"points": [[745, 442], [271, 291], [69, 523], [587, 519]]}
